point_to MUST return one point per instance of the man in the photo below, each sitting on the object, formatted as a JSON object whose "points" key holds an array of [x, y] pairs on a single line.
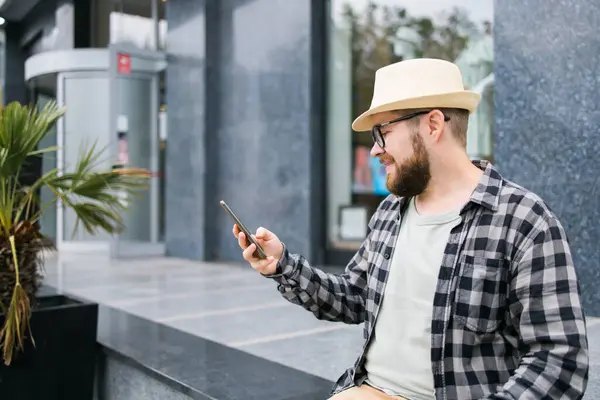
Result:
{"points": [[465, 282]]}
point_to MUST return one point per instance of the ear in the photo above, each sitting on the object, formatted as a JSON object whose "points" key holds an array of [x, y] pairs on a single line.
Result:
{"points": [[435, 125]]}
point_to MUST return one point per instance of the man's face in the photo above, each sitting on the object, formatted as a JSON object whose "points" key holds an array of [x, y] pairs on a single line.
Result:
{"points": [[405, 156]]}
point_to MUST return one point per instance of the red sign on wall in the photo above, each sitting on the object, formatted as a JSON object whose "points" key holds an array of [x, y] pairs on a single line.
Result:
{"points": [[123, 63]]}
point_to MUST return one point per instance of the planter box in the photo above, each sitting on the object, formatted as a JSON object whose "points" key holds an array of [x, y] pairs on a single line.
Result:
{"points": [[62, 364]]}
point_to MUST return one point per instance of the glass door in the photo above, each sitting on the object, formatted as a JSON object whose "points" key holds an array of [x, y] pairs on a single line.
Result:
{"points": [[48, 219], [135, 122], [40, 92]]}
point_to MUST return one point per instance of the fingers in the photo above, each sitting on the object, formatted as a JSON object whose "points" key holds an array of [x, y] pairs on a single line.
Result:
{"points": [[242, 240], [263, 265], [248, 253], [262, 233], [241, 237]]}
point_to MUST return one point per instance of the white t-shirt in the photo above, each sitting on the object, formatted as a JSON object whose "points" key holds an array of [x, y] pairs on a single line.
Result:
{"points": [[398, 360]]}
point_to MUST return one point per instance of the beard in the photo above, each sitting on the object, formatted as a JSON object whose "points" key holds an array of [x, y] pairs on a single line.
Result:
{"points": [[411, 177]]}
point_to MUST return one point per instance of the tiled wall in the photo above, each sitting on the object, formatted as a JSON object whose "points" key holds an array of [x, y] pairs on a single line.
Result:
{"points": [[547, 117], [254, 124]]}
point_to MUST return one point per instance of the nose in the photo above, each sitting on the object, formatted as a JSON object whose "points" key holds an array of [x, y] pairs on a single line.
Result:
{"points": [[376, 150]]}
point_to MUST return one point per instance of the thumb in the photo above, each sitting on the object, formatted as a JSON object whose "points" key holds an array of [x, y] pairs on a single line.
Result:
{"points": [[264, 234]]}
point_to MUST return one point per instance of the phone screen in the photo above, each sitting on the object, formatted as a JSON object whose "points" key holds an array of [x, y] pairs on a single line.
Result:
{"points": [[259, 253]]}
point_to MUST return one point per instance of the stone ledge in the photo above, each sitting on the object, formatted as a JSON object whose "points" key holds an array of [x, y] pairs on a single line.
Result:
{"points": [[136, 355]]}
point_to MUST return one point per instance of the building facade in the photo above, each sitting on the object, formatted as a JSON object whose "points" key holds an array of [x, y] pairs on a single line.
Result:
{"points": [[277, 99], [254, 101]]}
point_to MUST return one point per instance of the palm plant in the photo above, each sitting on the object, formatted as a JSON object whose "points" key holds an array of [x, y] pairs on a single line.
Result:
{"points": [[95, 197]]}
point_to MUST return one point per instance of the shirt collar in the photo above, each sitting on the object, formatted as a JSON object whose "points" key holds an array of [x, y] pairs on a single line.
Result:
{"points": [[487, 192]]}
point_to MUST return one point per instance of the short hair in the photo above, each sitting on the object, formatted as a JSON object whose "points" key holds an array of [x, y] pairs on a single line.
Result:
{"points": [[458, 121]]}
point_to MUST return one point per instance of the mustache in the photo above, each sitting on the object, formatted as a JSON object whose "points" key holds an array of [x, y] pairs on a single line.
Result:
{"points": [[386, 158]]}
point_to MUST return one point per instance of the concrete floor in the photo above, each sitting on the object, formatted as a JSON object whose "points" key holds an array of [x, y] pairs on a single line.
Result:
{"points": [[230, 304]]}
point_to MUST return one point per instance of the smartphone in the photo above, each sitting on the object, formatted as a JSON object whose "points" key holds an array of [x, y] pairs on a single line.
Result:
{"points": [[259, 253]]}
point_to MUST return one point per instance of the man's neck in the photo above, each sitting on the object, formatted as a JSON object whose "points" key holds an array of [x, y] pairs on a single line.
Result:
{"points": [[450, 187]]}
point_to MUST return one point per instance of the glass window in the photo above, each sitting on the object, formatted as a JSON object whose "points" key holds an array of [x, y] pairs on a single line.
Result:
{"points": [[366, 35], [131, 22]]}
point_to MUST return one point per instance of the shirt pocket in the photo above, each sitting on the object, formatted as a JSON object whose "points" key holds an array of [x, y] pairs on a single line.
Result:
{"points": [[481, 293]]}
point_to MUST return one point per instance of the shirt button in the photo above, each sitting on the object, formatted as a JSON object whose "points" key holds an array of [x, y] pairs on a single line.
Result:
{"points": [[386, 256]]}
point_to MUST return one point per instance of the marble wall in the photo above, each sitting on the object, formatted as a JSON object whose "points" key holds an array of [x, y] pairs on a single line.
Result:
{"points": [[245, 137], [118, 380], [547, 134], [185, 154]]}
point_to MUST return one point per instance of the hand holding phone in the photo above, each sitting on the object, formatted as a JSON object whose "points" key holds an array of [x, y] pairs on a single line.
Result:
{"points": [[259, 253], [262, 251]]}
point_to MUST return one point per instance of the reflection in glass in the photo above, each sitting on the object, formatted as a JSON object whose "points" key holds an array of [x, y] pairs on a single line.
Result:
{"points": [[367, 35], [132, 23], [48, 218]]}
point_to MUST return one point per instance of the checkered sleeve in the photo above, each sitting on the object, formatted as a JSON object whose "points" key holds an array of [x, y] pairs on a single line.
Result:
{"points": [[545, 307], [333, 297]]}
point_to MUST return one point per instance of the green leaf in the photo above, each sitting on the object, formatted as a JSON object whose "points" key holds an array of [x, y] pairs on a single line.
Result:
{"points": [[94, 194], [50, 149]]}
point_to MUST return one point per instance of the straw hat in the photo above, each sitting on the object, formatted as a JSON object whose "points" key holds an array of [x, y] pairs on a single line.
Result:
{"points": [[417, 83]]}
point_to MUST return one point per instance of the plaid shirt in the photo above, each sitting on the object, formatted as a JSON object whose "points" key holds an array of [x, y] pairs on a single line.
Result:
{"points": [[507, 320]]}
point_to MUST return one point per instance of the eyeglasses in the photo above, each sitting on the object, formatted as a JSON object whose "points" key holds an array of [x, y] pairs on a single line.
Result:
{"points": [[376, 130]]}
